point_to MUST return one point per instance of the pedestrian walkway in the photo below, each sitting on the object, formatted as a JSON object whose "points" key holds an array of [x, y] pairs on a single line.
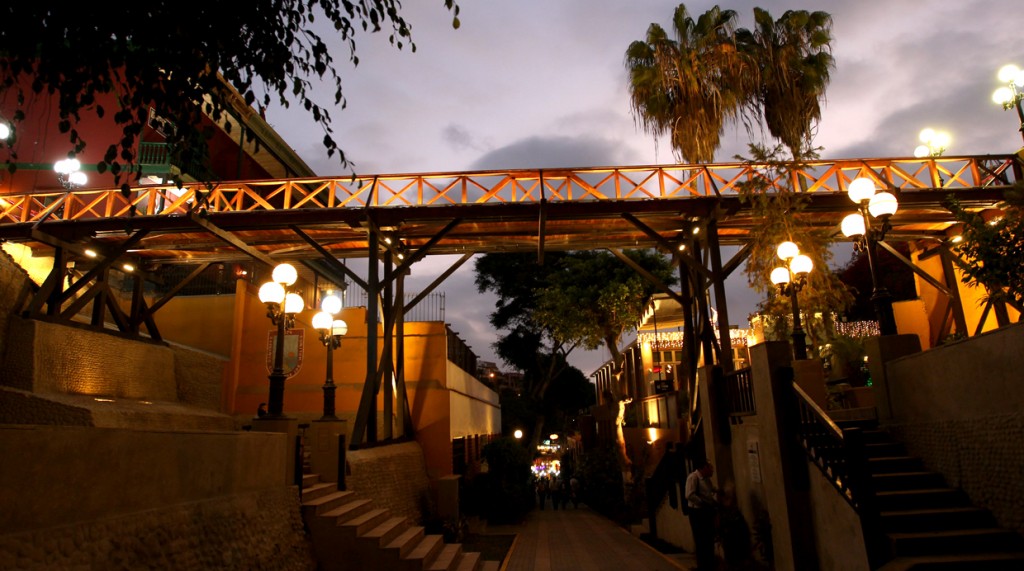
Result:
{"points": [[581, 539]]}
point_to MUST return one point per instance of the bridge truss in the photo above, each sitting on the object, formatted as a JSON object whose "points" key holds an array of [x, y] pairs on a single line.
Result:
{"points": [[402, 218]]}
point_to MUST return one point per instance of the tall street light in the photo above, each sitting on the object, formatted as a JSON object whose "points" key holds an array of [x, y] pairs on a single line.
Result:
{"points": [[791, 279], [1010, 95], [331, 331], [933, 143], [281, 309], [872, 204], [69, 174]]}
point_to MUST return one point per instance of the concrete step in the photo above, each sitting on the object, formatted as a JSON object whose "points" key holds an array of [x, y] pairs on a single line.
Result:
{"points": [[907, 481], [934, 519], [884, 449], [387, 531], [447, 558], [327, 502], [920, 499], [424, 553], [309, 479], [490, 566], [404, 543], [349, 510], [956, 542], [364, 522], [317, 490], [472, 562], [888, 464], [968, 562]]}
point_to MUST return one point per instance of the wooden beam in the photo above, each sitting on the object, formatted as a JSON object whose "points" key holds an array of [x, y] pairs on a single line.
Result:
{"points": [[230, 238], [662, 286]]}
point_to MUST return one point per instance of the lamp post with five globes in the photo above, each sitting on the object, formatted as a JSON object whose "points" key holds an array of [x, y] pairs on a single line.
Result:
{"points": [[790, 279], [331, 331], [872, 204], [281, 309]]}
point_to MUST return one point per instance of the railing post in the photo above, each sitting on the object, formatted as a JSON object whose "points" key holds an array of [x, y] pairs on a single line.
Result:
{"points": [[855, 456]]}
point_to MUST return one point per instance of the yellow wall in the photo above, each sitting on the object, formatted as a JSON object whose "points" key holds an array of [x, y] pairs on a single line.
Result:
{"points": [[936, 302]]}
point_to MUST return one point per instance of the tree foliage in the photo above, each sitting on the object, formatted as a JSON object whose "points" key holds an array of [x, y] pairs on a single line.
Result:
{"points": [[779, 209], [578, 298], [177, 57], [710, 73], [689, 86], [995, 249]]}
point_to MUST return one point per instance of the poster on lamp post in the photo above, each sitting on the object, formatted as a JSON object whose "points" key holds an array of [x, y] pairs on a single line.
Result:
{"points": [[292, 351]]}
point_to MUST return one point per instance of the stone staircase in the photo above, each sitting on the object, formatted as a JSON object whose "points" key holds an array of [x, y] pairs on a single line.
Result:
{"points": [[349, 533], [930, 525]]}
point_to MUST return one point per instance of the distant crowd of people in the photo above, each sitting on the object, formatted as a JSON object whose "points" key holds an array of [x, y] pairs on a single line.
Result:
{"points": [[561, 492]]}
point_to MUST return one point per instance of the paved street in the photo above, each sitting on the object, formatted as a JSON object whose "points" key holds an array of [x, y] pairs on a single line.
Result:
{"points": [[582, 539]]}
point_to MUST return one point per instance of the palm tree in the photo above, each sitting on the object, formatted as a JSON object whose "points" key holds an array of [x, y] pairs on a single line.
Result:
{"points": [[793, 58], [689, 86]]}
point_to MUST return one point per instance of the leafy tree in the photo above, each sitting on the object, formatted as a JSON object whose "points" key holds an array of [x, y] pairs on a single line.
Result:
{"points": [[689, 86], [793, 59], [578, 298], [995, 249], [181, 60], [779, 209]]}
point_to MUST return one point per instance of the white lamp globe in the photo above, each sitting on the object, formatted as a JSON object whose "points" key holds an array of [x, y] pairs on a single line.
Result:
{"points": [[339, 327], [61, 166], [853, 225], [922, 151], [331, 304], [285, 274], [293, 303], [77, 178], [1002, 96], [780, 276], [5, 130], [926, 135], [518, 434], [1008, 73], [322, 321], [272, 292], [801, 265], [883, 204], [861, 189], [788, 250]]}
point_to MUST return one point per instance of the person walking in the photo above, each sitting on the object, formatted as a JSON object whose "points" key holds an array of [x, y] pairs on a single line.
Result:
{"points": [[556, 492], [701, 504], [542, 490]]}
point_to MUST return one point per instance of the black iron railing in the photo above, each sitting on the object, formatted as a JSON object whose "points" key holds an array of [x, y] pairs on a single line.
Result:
{"points": [[739, 393], [840, 455]]}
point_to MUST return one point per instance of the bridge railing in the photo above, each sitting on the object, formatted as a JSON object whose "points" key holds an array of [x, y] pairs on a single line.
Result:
{"points": [[513, 186]]}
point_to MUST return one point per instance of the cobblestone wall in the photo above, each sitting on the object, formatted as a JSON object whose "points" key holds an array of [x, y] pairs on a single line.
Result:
{"points": [[13, 285], [257, 530], [198, 376], [983, 456], [394, 476]]}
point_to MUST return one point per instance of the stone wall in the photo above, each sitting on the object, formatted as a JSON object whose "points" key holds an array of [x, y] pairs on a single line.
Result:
{"points": [[14, 285], [960, 407], [57, 358], [394, 476], [255, 530], [198, 376]]}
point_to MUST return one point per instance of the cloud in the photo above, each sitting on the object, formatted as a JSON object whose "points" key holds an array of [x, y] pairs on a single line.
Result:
{"points": [[556, 152]]}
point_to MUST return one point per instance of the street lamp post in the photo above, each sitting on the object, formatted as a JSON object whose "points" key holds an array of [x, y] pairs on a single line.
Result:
{"points": [[790, 279], [331, 331], [872, 204], [281, 309], [1011, 94]]}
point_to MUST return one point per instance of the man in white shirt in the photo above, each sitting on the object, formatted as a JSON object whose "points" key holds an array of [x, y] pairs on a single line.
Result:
{"points": [[701, 503]]}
